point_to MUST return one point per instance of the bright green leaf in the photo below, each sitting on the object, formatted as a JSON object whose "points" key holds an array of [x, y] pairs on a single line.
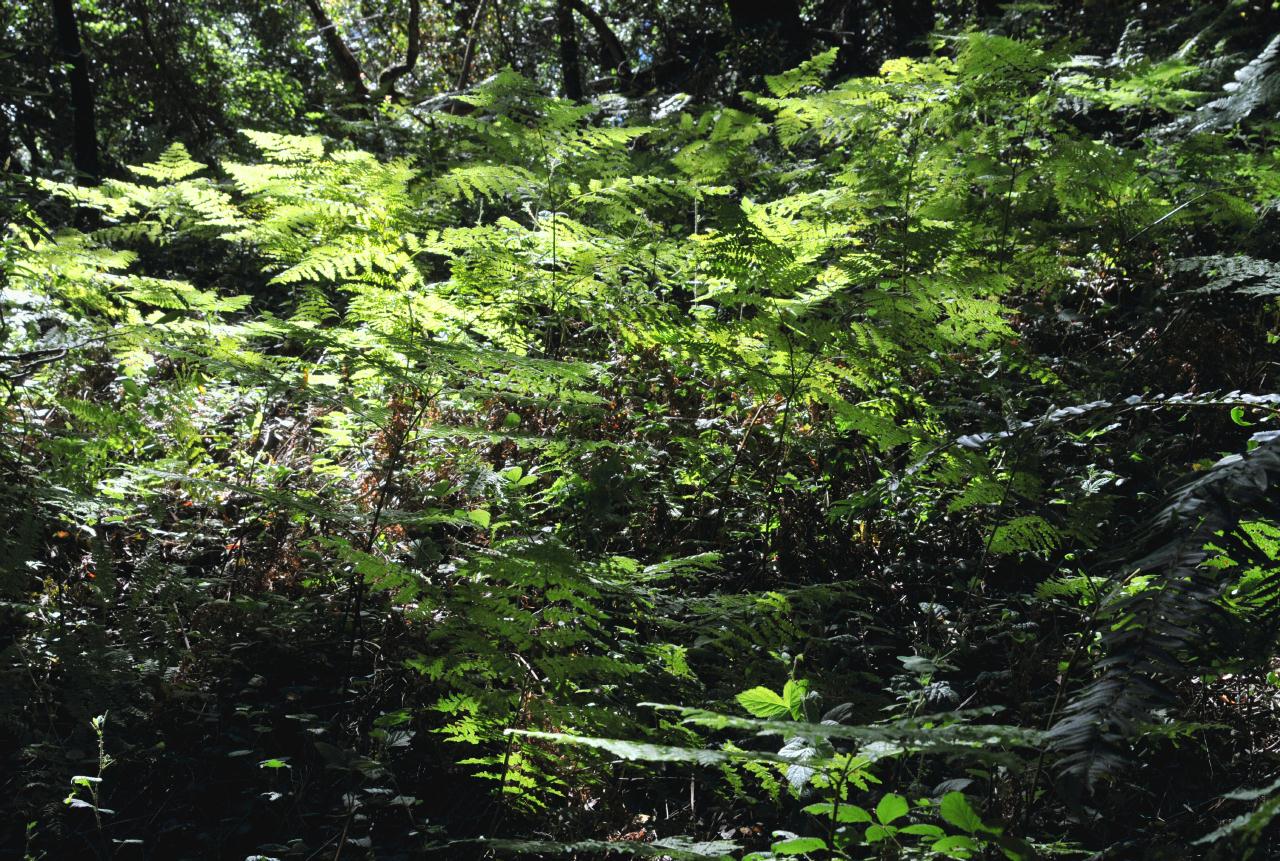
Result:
{"points": [[956, 846], [955, 809], [799, 846], [793, 694], [877, 833], [892, 807], [844, 813], [763, 703]]}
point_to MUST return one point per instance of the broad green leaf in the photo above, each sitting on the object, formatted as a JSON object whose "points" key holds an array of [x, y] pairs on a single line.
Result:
{"points": [[798, 846], [955, 809], [956, 846], [763, 703], [918, 664], [877, 833], [844, 813], [793, 694], [891, 808]]}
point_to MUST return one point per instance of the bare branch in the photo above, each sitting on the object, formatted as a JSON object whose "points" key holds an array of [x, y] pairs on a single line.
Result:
{"points": [[389, 76], [612, 45], [468, 55], [344, 62]]}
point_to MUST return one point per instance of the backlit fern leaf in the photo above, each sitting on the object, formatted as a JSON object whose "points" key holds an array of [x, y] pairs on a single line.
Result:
{"points": [[488, 181], [1026, 534], [284, 149], [175, 163]]}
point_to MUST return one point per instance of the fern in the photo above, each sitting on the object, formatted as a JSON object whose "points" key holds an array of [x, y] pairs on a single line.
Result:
{"points": [[1256, 85], [1027, 534], [1247, 276], [1150, 633], [174, 164]]}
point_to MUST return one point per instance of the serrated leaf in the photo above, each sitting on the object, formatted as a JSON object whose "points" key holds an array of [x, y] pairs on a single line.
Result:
{"points": [[793, 694], [955, 809], [763, 703], [892, 807]]}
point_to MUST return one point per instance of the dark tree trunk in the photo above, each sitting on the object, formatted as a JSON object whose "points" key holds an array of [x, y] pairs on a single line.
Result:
{"points": [[988, 8], [84, 123], [344, 63], [615, 56], [570, 62], [387, 80]]}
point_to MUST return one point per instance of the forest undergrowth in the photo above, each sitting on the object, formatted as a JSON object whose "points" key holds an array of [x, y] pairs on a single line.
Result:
{"points": [[872, 468]]}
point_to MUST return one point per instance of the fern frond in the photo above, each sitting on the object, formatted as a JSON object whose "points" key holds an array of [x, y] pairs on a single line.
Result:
{"points": [[1256, 86], [1148, 634], [285, 149], [1241, 274], [488, 181], [174, 164]]}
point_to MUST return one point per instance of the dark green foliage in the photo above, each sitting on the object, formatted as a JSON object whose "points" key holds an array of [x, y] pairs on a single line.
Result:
{"points": [[372, 471], [1171, 603]]}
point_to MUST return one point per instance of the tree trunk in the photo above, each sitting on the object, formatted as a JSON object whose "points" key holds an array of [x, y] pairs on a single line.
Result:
{"points": [[387, 80], [988, 8], [616, 56], [570, 63], [344, 62], [84, 123]]}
